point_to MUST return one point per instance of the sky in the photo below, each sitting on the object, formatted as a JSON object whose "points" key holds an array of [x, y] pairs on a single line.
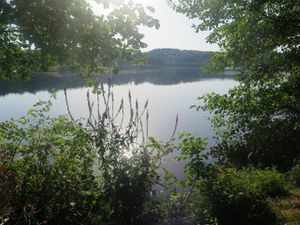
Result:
{"points": [[175, 30]]}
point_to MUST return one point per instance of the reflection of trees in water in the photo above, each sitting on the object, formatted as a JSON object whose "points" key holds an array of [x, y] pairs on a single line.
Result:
{"points": [[40, 83], [164, 76], [158, 76]]}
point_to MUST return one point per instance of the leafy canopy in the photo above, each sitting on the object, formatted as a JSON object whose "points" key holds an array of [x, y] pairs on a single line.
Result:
{"points": [[35, 35], [259, 37], [258, 121]]}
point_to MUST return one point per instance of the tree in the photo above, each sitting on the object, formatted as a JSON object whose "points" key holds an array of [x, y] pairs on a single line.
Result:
{"points": [[35, 35], [258, 121]]}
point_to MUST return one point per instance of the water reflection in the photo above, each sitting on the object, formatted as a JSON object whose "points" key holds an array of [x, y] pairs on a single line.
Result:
{"points": [[157, 76], [170, 91]]}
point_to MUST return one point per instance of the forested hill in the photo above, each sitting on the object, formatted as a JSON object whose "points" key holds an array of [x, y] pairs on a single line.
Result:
{"points": [[176, 57], [172, 57]]}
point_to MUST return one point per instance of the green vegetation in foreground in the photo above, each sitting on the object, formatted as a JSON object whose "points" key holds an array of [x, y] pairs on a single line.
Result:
{"points": [[290, 207], [63, 171]]}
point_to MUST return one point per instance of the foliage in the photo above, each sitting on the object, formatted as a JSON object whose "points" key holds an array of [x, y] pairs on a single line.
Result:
{"points": [[193, 150], [273, 49], [35, 35], [213, 194], [63, 171], [176, 57], [240, 197], [46, 170], [257, 124], [124, 163], [169, 57], [295, 175], [289, 207], [258, 121]]}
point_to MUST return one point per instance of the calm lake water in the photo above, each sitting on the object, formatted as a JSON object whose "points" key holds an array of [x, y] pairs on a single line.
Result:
{"points": [[170, 91]]}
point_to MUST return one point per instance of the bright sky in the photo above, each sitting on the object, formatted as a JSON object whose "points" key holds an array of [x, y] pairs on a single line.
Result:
{"points": [[175, 30]]}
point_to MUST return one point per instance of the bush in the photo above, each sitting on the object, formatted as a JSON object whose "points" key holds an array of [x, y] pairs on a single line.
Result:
{"points": [[48, 174], [60, 171], [241, 197], [295, 175], [227, 196]]}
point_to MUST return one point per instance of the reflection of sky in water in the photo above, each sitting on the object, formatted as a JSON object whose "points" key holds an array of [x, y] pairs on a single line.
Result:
{"points": [[165, 102]]}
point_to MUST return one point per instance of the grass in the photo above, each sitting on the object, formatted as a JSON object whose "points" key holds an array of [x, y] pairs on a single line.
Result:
{"points": [[290, 207]]}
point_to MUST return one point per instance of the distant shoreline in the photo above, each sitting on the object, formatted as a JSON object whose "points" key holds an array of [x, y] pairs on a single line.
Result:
{"points": [[60, 77]]}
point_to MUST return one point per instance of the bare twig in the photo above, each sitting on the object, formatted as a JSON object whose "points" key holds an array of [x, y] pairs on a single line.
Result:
{"points": [[175, 128], [147, 125], [67, 104]]}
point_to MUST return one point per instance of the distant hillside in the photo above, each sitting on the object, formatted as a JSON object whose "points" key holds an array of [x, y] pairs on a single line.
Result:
{"points": [[176, 57], [173, 57]]}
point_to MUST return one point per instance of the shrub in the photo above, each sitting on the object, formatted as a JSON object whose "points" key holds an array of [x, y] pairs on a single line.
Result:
{"points": [[221, 195], [295, 175], [48, 170], [241, 197], [61, 171]]}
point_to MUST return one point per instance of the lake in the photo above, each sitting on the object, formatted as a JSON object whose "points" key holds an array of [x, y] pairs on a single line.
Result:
{"points": [[170, 92]]}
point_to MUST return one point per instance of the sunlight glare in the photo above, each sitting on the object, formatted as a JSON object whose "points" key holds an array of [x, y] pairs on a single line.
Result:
{"points": [[175, 29]]}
